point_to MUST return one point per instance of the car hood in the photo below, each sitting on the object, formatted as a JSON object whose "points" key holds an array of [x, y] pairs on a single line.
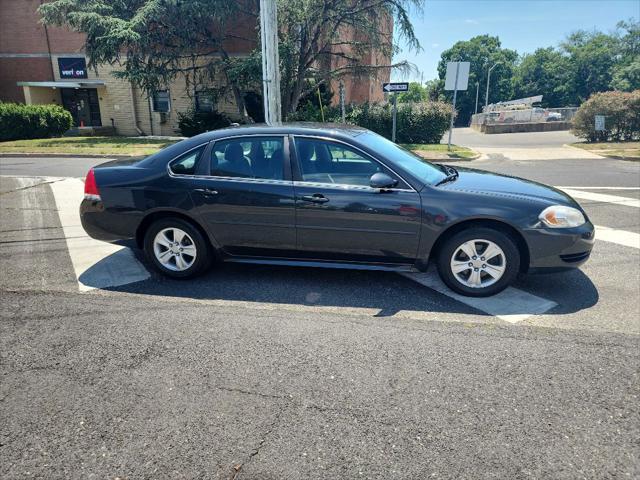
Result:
{"points": [[493, 184]]}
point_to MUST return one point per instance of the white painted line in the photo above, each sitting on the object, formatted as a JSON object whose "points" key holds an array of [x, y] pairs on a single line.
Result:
{"points": [[96, 264], [511, 305], [603, 197], [599, 188], [621, 237]]}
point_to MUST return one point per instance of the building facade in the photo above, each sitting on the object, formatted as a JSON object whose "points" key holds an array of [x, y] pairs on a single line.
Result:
{"points": [[46, 65]]}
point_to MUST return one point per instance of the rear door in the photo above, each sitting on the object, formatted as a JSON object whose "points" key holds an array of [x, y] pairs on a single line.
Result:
{"points": [[244, 194], [340, 217]]}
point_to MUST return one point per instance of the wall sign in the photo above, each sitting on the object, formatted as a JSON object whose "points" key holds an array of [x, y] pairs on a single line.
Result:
{"points": [[72, 67]]}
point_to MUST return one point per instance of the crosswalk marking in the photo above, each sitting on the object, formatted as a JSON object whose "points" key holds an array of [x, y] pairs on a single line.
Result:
{"points": [[603, 197], [96, 264], [621, 237], [511, 305]]}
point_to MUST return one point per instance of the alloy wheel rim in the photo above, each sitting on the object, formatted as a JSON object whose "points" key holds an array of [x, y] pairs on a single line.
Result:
{"points": [[174, 249], [478, 263]]}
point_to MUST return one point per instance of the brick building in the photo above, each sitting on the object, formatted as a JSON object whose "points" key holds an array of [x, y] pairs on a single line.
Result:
{"points": [[43, 65]]}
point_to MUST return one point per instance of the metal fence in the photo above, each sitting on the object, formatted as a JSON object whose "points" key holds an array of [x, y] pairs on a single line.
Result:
{"points": [[530, 115]]}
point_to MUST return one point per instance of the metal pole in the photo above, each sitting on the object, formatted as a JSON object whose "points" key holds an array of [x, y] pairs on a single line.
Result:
{"points": [[270, 61], [453, 111], [342, 102], [395, 111], [477, 91], [486, 98]]}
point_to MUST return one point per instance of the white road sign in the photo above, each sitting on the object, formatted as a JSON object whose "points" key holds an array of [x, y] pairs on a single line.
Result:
{"points": [[459, 69], [395, 87], [599, 123]]}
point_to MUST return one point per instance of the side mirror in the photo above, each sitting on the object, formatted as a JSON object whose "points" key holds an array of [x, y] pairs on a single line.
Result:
{"points": [[382, 181]]}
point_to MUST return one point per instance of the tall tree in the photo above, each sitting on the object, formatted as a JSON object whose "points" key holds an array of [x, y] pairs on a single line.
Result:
{"points": [[545, 72], [482, 51], [154, 41]]}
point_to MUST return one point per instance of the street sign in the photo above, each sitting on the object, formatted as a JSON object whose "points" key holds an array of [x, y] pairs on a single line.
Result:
{"points": [[395, 87], [459, 71], [599, 123]]}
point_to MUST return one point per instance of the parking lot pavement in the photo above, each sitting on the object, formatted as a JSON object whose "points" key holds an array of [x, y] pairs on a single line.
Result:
{"points": [[269, 372]]}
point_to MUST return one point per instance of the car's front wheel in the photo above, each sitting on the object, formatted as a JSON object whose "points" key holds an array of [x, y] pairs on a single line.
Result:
{"points": [[478, 262], [176, 248]]}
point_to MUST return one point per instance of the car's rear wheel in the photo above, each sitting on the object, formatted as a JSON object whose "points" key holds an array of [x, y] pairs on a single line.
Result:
{"points": [[176, 248], [478, 262]]}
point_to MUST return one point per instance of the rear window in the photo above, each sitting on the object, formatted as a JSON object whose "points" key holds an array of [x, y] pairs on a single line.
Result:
{"points": [[186, 164]]}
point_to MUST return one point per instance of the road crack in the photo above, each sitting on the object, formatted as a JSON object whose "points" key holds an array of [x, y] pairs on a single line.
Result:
{"points": [[237, 469]]}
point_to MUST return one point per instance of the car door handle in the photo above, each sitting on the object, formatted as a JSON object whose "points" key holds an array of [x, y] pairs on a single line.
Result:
{"points": [[315, 198], [206, 191]]}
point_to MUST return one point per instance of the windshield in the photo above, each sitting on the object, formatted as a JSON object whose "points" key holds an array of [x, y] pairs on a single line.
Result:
{"points": [[427, 172]]}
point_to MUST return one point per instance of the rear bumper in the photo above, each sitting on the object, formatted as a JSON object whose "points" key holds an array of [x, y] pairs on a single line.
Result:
{"points": [[103, 225], [559, 249]]}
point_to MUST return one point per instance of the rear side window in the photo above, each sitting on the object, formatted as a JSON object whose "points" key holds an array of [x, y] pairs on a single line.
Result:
{"points": [[249, 157], [186, 164]]}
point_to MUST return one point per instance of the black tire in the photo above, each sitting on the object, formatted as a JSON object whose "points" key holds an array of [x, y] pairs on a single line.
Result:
{"points": [[453, 243], [203, 255]]}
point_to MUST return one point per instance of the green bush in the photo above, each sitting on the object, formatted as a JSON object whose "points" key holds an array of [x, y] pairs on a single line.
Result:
{"points": [[18, 121], [423, 122], [622, 117], [193, 123]]}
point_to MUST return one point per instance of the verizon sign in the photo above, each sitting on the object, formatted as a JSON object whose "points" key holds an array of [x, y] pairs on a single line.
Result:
{"points": [[72, 67]]}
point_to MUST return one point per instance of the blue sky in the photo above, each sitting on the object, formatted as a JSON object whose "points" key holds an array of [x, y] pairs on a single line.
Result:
{"points": [[522, 25]]}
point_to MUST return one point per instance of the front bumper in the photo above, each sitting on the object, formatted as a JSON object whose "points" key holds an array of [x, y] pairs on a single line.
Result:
{"points": [[557, 249]]}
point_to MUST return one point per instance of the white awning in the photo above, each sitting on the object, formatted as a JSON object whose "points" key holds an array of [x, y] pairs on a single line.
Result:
{"points": [[64, 84]]}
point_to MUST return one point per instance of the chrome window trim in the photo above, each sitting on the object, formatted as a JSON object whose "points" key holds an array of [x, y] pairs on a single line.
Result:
{"points": [[182, 175], [346, 186], [367, 155]]}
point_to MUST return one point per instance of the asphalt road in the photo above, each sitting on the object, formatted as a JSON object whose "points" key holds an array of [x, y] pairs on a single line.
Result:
{"points": [[263, 373]]}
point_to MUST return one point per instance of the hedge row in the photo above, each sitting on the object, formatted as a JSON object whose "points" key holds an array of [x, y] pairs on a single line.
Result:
{"points": [[423, 122], [622, 117], [19, 121]]}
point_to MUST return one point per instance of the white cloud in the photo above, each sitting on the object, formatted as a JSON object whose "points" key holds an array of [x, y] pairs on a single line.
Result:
{"points": [[471, 21], [435, 45]]}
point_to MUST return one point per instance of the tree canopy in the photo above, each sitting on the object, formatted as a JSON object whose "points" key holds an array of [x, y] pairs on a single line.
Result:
{"points": [[156, 40], [566, 75]]}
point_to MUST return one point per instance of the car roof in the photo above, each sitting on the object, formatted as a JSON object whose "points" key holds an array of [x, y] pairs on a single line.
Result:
{"points": [[299, 128], [333, 130]]}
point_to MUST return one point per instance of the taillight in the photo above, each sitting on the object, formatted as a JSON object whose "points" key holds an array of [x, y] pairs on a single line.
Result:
{"points": [[91, 191]]}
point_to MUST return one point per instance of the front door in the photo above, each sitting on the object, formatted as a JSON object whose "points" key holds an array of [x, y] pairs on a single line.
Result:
{"points": [[245, 196], [83, 105], [340, 217]]}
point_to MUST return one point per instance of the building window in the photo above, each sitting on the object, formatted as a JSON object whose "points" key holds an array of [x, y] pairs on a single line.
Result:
{"points": [[161, 101], [204, 102]]}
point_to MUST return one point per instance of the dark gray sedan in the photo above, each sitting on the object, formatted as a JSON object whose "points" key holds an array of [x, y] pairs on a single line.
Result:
{"points": [[331, 196]]}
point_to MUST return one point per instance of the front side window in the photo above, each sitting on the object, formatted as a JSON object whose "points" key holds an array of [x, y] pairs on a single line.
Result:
{"points": [[249, 157], [161, 101], [186, 164], [327, 162]]}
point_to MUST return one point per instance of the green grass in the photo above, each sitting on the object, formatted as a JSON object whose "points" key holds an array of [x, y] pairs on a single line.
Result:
{"points": [[440, 151], [141, 146], [622, 150], [133, 146]]}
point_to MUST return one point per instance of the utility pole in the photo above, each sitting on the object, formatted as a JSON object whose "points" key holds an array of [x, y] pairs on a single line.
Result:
{"points": [[486, 98], [270, 62], [477, 90]]}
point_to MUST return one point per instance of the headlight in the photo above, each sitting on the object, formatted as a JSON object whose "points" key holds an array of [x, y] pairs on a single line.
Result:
{"points": [[559, 216]]}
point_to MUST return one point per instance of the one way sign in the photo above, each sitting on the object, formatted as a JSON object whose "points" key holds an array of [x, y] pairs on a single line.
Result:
{"points": [[395, 87]]}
